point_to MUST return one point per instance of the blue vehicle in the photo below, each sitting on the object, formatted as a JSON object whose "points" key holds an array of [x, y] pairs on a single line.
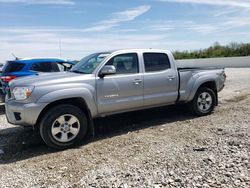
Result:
{"points": [[28, 67]]}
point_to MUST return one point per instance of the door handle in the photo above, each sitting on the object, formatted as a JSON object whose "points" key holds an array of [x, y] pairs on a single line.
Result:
{"points": [[171, 77], [137, 81]]}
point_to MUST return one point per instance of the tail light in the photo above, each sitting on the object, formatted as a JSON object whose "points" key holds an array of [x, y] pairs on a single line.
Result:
{"points": [[7, 78]]}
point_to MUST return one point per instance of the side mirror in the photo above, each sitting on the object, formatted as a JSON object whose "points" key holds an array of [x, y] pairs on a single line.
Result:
{"points": [[107, 70]]}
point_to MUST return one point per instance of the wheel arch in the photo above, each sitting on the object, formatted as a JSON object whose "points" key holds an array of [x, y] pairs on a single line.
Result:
{"points": [[76, 101], [211, 84]]}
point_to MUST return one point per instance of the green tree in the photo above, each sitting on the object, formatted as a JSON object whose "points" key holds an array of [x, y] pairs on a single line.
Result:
{"points": [[216, 50]]}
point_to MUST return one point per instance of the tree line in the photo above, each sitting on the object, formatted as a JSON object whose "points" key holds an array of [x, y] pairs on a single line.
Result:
{"points": [[216, 50]]}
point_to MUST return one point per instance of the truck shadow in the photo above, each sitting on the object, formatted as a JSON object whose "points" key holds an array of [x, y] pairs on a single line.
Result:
{"points": [[20, 143]]}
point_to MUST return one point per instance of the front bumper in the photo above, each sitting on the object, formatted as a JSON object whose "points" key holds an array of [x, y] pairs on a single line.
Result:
{"points": [[18, 113]]}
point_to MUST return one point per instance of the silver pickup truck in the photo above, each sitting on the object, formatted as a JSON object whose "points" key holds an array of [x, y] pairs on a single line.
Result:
{"points": [[63, 105]]}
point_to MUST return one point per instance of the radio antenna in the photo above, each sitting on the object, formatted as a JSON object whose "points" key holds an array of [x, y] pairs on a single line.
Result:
{"points": [[60, 47], [14, 56]]}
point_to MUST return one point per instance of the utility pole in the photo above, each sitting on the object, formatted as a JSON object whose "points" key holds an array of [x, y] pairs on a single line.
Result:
{"points": [[60, 47]]}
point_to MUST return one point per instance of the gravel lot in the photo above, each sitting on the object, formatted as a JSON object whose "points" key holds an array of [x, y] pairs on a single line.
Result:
{"points": [[163, 147]]}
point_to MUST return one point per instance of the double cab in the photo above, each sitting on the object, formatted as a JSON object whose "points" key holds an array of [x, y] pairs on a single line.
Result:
{"points": [[63, 105]]}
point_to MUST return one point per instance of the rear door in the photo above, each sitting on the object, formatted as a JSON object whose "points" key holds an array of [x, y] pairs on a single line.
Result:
{"points": [[160, 79], [121, 91]]}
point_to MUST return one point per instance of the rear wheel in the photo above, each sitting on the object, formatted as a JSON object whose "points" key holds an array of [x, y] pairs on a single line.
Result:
{"points": [[203, 102], [63, 126]]}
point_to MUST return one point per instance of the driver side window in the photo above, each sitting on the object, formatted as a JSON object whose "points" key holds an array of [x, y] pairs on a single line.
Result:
{"points": [[125, 63]]}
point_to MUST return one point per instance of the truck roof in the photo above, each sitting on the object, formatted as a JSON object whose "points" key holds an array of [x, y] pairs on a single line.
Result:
{"points": [[135, 50]]}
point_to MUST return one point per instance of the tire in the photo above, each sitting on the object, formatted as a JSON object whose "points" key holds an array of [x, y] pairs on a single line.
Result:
{"points": [[63, 126], [203, 102]]}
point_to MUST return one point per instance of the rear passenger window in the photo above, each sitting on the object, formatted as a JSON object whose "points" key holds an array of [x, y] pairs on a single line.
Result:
{"points": [[156, 62], [125, 63], [45, 67]]}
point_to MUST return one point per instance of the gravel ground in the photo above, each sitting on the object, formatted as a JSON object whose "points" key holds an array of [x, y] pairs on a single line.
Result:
{"points": [[163, 147]]}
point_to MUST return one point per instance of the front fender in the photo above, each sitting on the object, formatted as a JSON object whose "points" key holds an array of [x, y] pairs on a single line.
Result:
{"points": [[84, 93]]}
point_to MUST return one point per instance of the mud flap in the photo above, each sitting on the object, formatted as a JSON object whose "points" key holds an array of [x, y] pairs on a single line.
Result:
{"points": [[217, 100], [91, 127]]}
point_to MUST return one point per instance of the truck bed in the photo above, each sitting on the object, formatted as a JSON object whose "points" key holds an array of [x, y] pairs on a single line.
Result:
{"points": [[225, 62], [189, 77]]}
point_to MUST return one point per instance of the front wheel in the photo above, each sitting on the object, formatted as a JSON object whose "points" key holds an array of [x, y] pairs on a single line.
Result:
{"points": [[204, 101], [63, 126]]}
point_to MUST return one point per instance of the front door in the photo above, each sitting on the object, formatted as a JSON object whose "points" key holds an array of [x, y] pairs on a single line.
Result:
{"points": [[123, 90]]}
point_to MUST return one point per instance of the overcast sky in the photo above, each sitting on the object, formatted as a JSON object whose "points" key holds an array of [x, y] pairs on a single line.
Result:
{"points": [[34, 28]]}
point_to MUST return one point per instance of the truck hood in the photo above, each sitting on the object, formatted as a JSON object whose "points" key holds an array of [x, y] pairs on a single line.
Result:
{"points": [[49, 79]]}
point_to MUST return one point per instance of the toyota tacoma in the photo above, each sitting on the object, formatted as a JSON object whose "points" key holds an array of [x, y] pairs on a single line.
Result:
{"points": [[63, 105]]}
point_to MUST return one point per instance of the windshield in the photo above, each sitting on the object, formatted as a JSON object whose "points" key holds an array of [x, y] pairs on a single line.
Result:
{"points": [[88, 64]]}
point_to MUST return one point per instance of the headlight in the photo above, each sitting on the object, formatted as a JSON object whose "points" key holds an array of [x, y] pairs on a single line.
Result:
{"points": [[22, 93]]}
